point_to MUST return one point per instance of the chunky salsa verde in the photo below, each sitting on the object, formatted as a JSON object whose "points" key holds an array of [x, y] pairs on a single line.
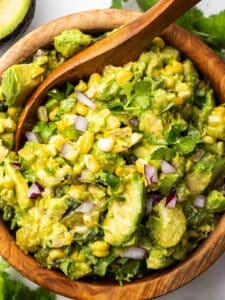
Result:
{"points": [[123, 173]]}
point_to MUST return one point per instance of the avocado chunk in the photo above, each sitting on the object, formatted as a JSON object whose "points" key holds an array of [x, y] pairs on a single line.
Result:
{"points": [[215, 201], [15, 17], [167, 225], [19, 81], [209, 169], [71, 41], [158, 259], [21, 187], [123, 215]]}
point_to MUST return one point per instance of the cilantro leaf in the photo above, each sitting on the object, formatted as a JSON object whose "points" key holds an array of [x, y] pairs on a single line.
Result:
{"points": [[138, 94], [125, 269], [164, 153], [56, 94], [167, 183], [45, 130], [109, 179], [210, 29], [187, 144], [16, 290], [146, 4], [142, 93], [150, 139], [69, 89], [172, 135], [3, 265], [118, 3]]}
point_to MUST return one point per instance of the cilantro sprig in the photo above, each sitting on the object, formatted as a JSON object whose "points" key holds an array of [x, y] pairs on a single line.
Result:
{"points": [[16, 290]]}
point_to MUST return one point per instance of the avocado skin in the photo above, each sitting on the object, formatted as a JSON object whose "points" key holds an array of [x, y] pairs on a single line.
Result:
{"points": [[22, 26]]}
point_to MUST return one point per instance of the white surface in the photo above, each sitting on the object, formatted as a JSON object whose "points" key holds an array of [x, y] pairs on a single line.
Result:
{"points": [[210, 285]]}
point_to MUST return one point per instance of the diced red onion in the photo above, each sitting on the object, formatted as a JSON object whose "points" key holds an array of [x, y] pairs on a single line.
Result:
{"points": [[16, 165], [171, 200], [135, 253], [167, 168], [35, 190], [33, 136], [151, 174], [66, 149], [200, 201], [81, 123], [86, 207], [134, 121], [85, 100], [152, 198]]}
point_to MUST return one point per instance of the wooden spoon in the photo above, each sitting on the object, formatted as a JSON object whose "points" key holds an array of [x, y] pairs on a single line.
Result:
{"points": [[122, 46]]}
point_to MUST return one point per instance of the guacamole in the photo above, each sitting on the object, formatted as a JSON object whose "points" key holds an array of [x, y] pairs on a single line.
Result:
{"points": [[123, 173]]}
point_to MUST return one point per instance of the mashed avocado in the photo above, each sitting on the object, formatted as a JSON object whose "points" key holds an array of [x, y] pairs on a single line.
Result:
{"points": [[122, 173]]}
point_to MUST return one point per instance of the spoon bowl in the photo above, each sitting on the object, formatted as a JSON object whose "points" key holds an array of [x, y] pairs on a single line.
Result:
{"points": [[160, 282]]}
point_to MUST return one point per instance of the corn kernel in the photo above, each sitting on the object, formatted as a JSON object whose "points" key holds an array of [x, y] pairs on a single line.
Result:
{"points": [[217, 116], [174, 68], [78, 192], [81, 87], [123, 77], [81, 109], [208, 139], [124, 170], [170, 82], [94, 78], [8, 183], [55, 254], [140, 165], [86, 142], [178, 101], [61, 125], [91, 163], [159, 42], [1, 127], [100, 249], [9, 125], [93, 85], [53, 113], [13, 112], [57, 141]]}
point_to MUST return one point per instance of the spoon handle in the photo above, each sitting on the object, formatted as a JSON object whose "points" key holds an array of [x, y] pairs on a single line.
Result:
{"points": [[118, 48], [113, 49]]}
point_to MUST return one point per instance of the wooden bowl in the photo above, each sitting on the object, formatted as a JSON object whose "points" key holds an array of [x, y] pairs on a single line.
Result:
{"points": [[161, 282]]}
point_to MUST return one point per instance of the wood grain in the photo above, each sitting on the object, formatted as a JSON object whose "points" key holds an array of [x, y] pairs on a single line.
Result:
{"points": [[116, 49], [161, 282]]}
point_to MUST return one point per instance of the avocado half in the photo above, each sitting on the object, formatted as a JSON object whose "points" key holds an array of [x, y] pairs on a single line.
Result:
{"points": [[15, 17]]}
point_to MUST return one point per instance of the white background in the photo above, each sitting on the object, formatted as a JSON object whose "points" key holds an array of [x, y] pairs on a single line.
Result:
{"points": [[210, 285]]}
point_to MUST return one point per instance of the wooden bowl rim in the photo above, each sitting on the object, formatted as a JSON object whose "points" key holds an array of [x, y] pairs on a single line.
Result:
{"points": [[146, 288]]}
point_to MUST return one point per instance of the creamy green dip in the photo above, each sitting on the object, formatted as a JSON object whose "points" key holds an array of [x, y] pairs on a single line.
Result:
{"points": [[123, 173]]}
